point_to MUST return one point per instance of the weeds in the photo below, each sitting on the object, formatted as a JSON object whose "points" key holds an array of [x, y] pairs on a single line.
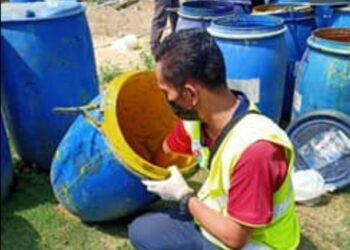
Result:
{"points": [[108, 72], [147, 61]]}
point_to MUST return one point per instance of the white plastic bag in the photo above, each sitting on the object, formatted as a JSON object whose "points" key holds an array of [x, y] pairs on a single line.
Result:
{"points": [[126, 43], [309, 186]]}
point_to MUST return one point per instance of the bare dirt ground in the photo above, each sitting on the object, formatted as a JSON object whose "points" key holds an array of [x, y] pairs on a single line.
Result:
{"points": [[108, 24]]}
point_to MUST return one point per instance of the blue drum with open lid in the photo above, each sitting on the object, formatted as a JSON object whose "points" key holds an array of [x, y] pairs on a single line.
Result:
{"points": [[300, 23], [47, 60], [322, 142], [255, 53], [341, 17], [98, 166], [323, 77], [6, 166], [199, 14]]}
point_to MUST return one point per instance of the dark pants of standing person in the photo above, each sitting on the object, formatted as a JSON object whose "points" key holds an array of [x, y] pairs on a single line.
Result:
{"points": [[160, 20]]}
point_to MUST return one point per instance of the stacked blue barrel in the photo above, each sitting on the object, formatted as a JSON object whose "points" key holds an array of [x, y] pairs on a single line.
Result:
{"points": [[300, 23], [341, 17], [255, 54], [323, 80], [199, 14], [47, 60], [326, 11]]}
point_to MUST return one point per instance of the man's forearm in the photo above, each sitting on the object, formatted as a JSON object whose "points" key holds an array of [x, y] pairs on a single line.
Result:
{"points": [[223, 228]]}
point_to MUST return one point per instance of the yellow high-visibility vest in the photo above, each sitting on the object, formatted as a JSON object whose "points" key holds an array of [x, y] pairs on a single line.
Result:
{"points": [[283, 232]]}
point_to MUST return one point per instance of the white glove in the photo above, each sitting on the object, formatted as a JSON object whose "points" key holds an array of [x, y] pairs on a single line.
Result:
{"points": [[171, 189]]}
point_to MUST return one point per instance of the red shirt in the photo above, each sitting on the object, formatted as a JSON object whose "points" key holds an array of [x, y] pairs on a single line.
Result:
{"points": [[258, 173]]}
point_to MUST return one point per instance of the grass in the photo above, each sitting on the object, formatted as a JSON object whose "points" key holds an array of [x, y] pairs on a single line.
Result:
{"points": [[327, 226], [108, 72], [147, 61], [32, 219]]}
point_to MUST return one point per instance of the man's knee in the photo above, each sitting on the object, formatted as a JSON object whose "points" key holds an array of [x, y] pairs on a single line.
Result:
{"points": [[138, 233]]}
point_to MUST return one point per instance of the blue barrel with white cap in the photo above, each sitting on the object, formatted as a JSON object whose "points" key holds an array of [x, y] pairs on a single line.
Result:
{"points": [[255, 54], [199, 14], [47, 60], [300, 23], [323, 77]]}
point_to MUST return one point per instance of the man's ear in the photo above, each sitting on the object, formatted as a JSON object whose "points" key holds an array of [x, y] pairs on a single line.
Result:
{"points": [[191, 88]]}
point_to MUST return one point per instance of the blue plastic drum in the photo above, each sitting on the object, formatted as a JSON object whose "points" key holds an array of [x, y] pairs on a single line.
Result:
{"points": [[325, 11], [255, 54], [47, 60], [199, 14], [323, 77], [300, 23], [322, 142], [341, 17], [97, 169]]}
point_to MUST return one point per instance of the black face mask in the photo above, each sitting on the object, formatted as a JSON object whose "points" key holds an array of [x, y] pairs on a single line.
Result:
{"points": [[182, 113]]}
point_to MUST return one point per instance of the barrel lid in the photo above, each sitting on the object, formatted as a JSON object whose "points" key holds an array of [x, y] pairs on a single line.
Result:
{"points": [[205, 9], [39, 10], [246, 27], [322, 142]]}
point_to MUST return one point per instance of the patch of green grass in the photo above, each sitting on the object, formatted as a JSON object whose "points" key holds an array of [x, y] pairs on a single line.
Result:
{"points": [[31, 219], [343, 237], [107, 72], [147, 61], [326, 226]]}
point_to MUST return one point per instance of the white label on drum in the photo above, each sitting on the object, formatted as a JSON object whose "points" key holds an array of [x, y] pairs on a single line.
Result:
{"points": [[250, 87], [297, 101]]}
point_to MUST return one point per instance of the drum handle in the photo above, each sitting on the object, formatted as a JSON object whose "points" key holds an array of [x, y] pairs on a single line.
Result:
{"points": [[83, 110]]}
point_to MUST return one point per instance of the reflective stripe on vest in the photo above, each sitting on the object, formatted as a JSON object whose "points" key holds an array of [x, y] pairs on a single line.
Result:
{"points": [[220, 203], [193, 129]]}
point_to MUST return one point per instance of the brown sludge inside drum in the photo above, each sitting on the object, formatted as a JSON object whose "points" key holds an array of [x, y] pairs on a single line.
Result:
{"points": [[145, 118], [337, 35]]}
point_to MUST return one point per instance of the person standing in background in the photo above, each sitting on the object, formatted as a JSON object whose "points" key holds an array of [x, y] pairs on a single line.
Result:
{"points": [[160, 18]]}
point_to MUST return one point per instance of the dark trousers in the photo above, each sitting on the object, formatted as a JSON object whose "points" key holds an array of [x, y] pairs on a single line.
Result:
{"points": [[167, 230], [160, 20]]}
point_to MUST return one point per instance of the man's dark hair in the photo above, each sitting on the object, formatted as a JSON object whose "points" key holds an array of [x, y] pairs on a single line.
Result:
{"points": [[191, 54]]}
